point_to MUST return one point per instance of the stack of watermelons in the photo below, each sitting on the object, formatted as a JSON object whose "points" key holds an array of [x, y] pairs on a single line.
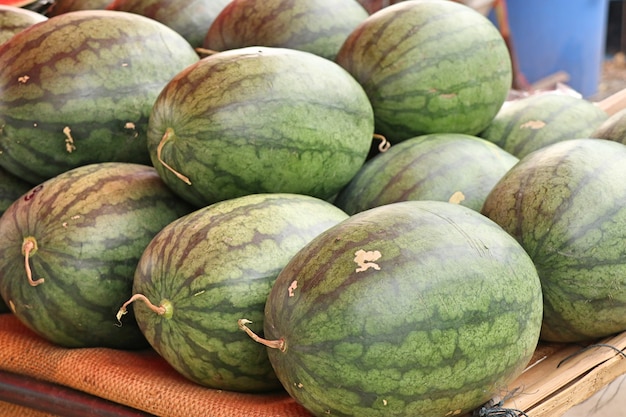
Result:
{"points": [[223, 173]]}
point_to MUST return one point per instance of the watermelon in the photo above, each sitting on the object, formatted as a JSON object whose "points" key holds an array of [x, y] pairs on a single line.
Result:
{"points": [[415, 308], [11, 188], [429, 66], [316, 26], [191, 18], [209, 268], [566, 205], [64, 6], [15, 19], [527, 124], [260, 120], [69, 248], [78, 88], [451, 167], [613, 128]]}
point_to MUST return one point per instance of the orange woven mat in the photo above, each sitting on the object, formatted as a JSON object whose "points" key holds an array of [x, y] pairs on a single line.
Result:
{"points": [[141, 380]]}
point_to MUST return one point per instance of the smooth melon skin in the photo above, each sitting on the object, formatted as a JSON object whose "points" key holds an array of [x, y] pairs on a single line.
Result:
{"points": [[214, 266], [566, 205], [90, 225], [412, 309], [429, 66], [260, 120], [530, 123], [451, 167]]}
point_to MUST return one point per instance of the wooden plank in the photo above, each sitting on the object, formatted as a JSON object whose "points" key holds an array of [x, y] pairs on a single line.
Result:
{"points": [[565, 376], [613, 103]]}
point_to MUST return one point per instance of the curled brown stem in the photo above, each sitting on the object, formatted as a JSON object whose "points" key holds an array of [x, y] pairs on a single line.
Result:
{"points": [[164, 139], [274, 344], [160, 310], [384, 144]]}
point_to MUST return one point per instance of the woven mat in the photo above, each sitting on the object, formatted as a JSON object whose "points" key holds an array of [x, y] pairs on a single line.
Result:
{"points": [[142, 380]]}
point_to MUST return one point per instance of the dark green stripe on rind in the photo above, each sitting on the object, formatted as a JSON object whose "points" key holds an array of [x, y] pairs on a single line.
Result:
{"points": [[530, 123], [450, 317], [443, 166], [91, 225], [565, 204], [316, 26], [259, 120], [429, 67], [96, 73], [215, 266]]}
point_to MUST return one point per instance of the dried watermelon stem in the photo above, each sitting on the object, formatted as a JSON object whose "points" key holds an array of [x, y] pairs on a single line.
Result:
{"points": [[274, 344], [206, 51], [384, 144], [29, 247], [164, 139], [161, 310]]}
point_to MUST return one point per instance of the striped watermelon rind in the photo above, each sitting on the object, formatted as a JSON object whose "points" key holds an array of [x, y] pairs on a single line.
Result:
{"points": [[78, 88], [14, 19], [527, 124], [451, 167], [410, 309], [316, 26], [90, 226], [429, 66], [207, 269], [565, 204], [191, 18], [65, 6], [11, 188], [260, 120]]}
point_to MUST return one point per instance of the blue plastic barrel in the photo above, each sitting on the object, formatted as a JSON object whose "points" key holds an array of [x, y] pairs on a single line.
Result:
{"points": [[560, 35]]}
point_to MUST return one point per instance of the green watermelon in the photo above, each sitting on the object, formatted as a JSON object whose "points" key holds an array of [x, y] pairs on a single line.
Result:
{"points": [[412, 309], [613, 128], [64, 6], [11, 188], [429, 66], [532, 122], [15, 19], [191, 18], [566, 205], [209, 268], [78, 89], [260, 120], [316, 26], [69, 248], [451, 167]]}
